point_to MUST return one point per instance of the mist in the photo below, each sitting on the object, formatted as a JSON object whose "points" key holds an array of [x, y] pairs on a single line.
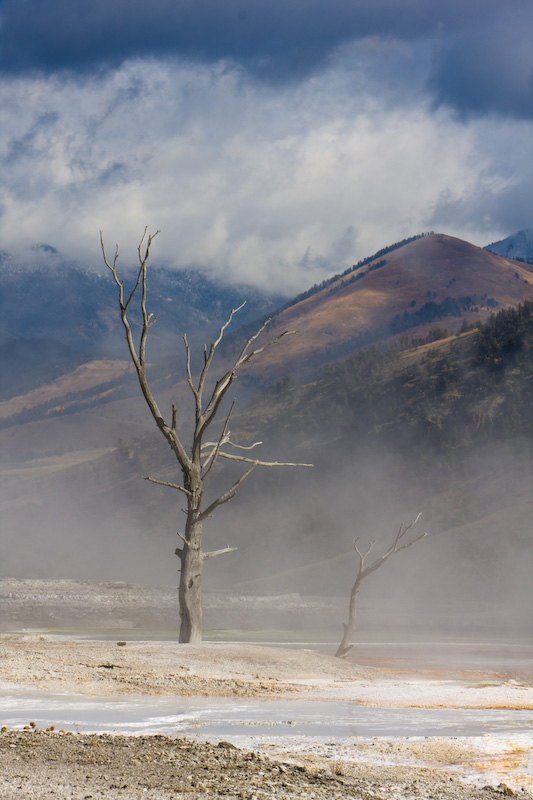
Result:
{"points": [[294, 529]]}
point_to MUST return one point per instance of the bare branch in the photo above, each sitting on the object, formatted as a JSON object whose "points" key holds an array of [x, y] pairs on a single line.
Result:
{"points": [[242, 361], [228, 321], [215, 446], [252, 339], [151, 237], [213, 455], [208, 358], [413, 541], [232, 444], [136, 286], [188, 366], [225, 497], [138, 358], [243, 446], [361, 555], [214, 553], [223, 384], [258, 463], [166, 483], [403, 531]]}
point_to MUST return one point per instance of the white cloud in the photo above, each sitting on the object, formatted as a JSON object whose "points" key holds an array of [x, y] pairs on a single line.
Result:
{"points": [[278, 186]]}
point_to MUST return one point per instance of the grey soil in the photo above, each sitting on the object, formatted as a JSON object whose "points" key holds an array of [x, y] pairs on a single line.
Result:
{"points": [[37, 764]]}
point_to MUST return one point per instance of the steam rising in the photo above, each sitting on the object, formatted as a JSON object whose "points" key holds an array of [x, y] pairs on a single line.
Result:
{"points": [[295, 533]]}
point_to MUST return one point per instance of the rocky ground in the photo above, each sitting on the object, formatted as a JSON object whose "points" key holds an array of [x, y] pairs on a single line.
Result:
{"points": [[38, 765], [46, 603]]}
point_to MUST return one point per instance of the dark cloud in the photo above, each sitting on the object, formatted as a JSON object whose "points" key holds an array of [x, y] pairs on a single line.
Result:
{"points": [[489, 69], [507, 209], [273, 39], [273, 143]]}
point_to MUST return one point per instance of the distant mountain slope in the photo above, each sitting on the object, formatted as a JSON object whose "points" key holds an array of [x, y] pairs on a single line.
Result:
{"points": [[64, 318], [98, 377], [436, 279], [52, 302], [519, 246], [53, 319]]}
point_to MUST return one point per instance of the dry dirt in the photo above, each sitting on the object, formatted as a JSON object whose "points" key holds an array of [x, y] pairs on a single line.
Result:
{"points": [[165, 668], [51, 764], [39, 764]]}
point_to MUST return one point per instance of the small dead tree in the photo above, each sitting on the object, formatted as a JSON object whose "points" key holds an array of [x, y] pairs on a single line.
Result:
{"points": [[400, 543], [197, 461]]}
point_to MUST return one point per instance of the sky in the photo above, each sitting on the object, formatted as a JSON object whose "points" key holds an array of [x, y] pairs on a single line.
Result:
{"points": [[273, 142]]}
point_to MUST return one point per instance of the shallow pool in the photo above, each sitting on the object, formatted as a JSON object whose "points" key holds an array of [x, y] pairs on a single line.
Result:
{"points": [[228, 717]]}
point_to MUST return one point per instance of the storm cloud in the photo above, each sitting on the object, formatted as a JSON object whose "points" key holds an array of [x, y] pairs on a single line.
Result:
{"points": [[271, 142], [482, 57]]}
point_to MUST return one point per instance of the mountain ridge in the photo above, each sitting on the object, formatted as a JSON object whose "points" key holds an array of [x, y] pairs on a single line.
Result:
{"points": [[406, 289], [518, 246], [412, 287]]}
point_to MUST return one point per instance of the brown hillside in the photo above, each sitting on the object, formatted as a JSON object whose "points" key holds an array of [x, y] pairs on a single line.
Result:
{"points": [[429, 269], [86, 378]]}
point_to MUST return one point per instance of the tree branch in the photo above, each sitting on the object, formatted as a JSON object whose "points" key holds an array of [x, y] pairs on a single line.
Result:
{"points": [[183, 539], [139, 359], [243, 446], [245, 359], [223, 384], [258, 463], [196, 392], [225, 497], [213, 455], [361, 555], [214, 553], [166, 483], [208, 358]]}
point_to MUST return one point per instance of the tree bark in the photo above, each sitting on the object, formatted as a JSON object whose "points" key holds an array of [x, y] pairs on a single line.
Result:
{"points": [[190, 587], [191, 557], [349, 627]]}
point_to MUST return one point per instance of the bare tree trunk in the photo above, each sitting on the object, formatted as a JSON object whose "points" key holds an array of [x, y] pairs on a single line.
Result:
{"points": [[190, 586], [349, 627]]}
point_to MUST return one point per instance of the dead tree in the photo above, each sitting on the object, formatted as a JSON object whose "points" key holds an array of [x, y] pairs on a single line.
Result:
{"points": [[399, 544], [197, 461]]}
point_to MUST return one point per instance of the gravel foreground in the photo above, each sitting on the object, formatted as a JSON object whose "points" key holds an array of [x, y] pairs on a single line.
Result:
{"points": [[38, 764], [54, 764]]}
